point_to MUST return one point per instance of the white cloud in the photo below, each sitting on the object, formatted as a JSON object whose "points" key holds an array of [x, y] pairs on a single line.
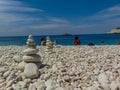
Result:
{"points": [[12, 12], [85, 26], [49, 26], [10, 5], [18, 9], [58, 20], [107, 13], [115, 8], [10, 2]]}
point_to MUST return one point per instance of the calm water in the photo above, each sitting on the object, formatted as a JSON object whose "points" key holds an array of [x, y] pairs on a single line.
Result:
{"points": [[108, 39]]}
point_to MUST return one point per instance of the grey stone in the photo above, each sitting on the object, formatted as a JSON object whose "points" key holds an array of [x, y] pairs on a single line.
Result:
{"points": [[31, 71]]}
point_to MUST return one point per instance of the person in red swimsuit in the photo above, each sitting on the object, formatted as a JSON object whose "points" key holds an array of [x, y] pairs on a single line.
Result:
{"points": [[77, 41], [119, 42]]}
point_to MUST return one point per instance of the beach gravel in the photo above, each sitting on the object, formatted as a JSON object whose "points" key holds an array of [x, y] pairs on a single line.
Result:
{"points": [[65, 68]]}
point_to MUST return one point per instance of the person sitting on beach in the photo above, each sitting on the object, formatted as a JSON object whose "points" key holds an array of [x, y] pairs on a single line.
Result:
{"points": [[77, 41], [43, 42]]}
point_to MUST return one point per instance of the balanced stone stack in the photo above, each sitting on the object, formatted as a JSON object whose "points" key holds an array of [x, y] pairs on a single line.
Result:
{"points": [[30, 54], [49, 45], [31, 59]]}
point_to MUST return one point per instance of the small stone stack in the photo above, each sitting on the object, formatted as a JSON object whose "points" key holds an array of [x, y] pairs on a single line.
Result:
{"points": [[54, 43], [49, 45], [30, 54]]}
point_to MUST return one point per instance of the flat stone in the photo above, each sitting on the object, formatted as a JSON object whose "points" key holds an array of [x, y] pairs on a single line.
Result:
{"points": [[31, 58], [30, 43], [30, 40], [29, 51]]}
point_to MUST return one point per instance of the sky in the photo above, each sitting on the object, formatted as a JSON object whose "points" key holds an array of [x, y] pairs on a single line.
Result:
{"points": [[56, 17]]}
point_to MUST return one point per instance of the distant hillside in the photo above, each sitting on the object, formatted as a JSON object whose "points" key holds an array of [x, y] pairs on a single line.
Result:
{"points": [[114, 31], [67, 34]]}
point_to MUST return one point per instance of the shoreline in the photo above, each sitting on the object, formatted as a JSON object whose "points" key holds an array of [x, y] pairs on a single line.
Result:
{"points": [[58, 45]]}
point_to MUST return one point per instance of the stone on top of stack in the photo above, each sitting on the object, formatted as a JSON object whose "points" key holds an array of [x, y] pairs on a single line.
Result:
{"points": [[30, 54], [30, 42]]}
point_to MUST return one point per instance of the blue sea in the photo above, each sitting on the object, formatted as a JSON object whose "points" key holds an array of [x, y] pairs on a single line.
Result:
{"points": [[108, 39]]}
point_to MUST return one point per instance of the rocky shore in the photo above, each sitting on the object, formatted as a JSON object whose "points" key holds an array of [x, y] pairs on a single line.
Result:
{"points": [[114, 31], [65, 68]]}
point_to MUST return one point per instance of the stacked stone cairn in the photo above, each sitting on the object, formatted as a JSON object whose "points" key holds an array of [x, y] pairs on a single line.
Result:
{"points": [[30, 54], [49, 46], [31, 59]]}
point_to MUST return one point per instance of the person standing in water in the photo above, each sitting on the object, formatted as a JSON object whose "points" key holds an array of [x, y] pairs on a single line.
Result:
{"points": [[102, 43], [76, 41]]}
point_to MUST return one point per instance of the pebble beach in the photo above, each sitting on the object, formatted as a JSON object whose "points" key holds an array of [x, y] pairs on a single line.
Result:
{"points": [[66, 68]]}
